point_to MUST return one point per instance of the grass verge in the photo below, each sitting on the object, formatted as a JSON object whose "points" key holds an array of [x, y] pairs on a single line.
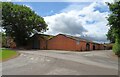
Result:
{"points": [[6, 54]]}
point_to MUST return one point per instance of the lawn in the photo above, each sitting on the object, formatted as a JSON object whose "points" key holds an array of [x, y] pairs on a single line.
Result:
{"points": [[6, 54]]}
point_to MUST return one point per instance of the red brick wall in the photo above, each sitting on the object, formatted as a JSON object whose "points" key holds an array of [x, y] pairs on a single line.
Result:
{"points": [[61, 42], [97, 46], [101, 47], [81, 46], [91, 46], [43, 43]]}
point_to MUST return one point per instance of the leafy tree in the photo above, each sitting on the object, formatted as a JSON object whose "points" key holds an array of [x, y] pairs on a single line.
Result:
{"points": [[114, 23], [110, 36], [4, 41], [19, 22]]}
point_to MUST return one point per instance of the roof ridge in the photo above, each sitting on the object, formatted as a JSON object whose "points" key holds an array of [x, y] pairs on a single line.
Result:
{"points": [[76, 38]]}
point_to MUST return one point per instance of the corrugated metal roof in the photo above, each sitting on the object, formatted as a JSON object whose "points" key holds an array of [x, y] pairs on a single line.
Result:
{"points": [[45, 36], [76, 38]]}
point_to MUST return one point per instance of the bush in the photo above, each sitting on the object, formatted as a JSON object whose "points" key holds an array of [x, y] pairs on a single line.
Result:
{"points": [[116, 47]]}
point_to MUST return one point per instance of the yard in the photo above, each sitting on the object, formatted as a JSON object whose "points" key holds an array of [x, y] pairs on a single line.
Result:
{"points": [[57, 62], [6, 54]]}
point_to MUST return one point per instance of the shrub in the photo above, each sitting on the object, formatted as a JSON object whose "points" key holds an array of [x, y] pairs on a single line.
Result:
{"points": [[116, 47]]}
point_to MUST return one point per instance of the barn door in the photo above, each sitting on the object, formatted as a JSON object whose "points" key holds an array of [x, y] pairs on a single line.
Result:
{"points": [[36, 44], [94, 47], [87, 46]]}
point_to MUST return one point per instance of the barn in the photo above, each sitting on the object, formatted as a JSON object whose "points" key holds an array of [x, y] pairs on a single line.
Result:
{"points": [[39, 41], [62, 42], [97, 46], [67, 42]]}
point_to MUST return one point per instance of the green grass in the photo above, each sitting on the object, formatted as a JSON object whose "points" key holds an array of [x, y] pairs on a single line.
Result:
{"points": [[116, 47], [7, 54]]}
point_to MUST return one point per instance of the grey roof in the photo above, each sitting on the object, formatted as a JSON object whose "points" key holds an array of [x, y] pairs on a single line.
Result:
{"points": [[45, 36], [76, 38]]}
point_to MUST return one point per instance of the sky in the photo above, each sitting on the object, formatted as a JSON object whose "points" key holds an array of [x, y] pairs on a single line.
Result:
{"points": [[82, 19]]}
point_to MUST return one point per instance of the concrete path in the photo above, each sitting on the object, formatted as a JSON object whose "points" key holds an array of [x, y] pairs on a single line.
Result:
{"points": [[53, 62]]}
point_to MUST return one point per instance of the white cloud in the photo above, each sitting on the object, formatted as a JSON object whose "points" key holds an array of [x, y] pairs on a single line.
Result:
{"points": [[87, 21], [64, 23], [74, 6], [28, 6], [59, 0]]}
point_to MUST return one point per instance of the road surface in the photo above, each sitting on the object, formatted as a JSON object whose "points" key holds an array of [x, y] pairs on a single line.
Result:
{"points": [[54, 62]]}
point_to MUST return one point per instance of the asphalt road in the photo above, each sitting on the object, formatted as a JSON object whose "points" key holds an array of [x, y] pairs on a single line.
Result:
{"points": [[53, 62]]}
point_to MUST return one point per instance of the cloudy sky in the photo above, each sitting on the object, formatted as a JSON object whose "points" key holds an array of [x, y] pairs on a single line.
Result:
{"points": [[82, 19]]}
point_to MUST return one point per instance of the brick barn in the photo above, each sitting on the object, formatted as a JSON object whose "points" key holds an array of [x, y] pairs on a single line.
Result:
{"points": [[97, 46], [67, 42], [39, 41], [62, 42]]}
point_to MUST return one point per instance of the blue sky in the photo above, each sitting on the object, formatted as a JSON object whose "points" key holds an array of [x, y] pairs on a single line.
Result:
{"points": [[49, 8], [83, 19], [45, 8]]}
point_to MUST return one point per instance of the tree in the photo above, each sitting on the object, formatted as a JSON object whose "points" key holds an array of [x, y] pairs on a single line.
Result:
{"points": [[4, 41], [110, 36], [19, 22], [114, 23]]}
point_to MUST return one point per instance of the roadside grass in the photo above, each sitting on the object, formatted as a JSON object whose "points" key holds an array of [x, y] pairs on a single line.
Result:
{"points": [[6, 54]]}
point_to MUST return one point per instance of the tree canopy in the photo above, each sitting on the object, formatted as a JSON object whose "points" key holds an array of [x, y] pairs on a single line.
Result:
{"points": [[114, 18], [3, 39], [114, 23], [111, 36], [19, 22]]}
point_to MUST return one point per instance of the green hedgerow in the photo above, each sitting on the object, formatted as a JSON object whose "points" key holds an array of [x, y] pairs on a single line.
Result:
{"points": [[116, 47]]}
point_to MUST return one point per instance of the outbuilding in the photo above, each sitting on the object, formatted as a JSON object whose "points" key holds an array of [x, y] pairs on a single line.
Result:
{"points": [[67, 42], [61, 42], [39, 41]]}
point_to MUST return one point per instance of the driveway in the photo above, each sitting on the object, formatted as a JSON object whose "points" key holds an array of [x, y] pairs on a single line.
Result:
{"points": [[54, 62]]}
